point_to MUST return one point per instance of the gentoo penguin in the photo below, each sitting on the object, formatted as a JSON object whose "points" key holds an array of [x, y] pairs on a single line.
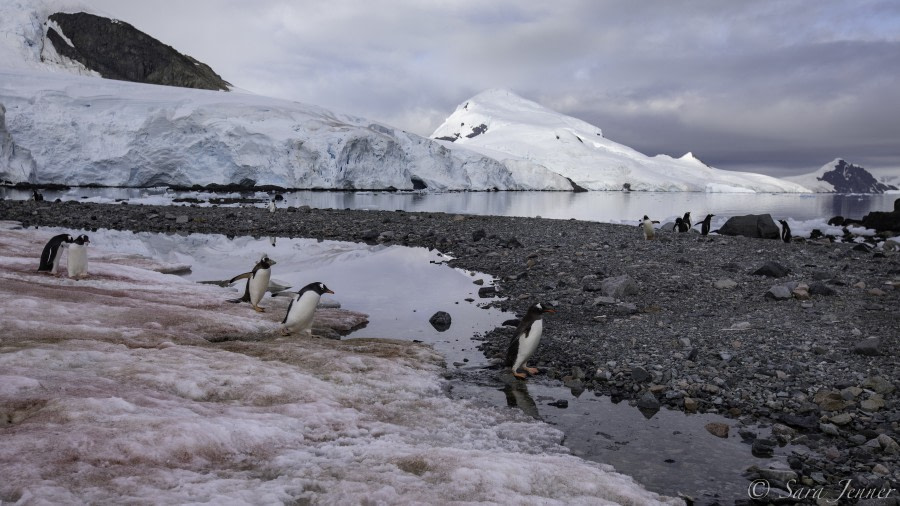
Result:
{"points": [[300, 312], [257, 282], [785, 231], [649, 233], [681, 225], [687, 220], [36, 196], [51, 254], [76, 260], [271, 206], [705, 224], [526, 339]]}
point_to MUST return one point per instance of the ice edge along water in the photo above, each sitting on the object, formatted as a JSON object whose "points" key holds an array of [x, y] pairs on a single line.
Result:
{"points": [[111, 392]]}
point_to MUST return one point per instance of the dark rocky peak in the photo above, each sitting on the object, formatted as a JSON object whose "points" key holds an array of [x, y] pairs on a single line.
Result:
{"points": [[849, 178], [117, 50]]}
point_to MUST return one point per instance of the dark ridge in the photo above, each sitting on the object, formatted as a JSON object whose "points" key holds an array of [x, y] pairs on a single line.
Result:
{"points": [[849, 178], [480, 129], [117, 50], [448, 138]]}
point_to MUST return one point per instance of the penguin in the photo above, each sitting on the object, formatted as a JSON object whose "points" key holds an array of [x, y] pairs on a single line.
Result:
{"points": [[300, 312], [681, 225], [257, 283], [51, 254], [705, 224], [649, 233], [525, 340], [271, 206], [785, 231], [76, 260], [36, 196], [687, 220]]}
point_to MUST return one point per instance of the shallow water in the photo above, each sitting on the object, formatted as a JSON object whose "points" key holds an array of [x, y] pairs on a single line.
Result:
{"points": [[614, 207], [400, 288]]}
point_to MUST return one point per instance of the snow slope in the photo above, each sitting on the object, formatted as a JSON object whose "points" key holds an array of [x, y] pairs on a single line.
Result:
{"points": [[80, 130], [505, 126], [111, 393]]}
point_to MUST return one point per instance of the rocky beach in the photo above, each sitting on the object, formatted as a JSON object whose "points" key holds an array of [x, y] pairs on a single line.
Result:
{"points": [[798, 337]]}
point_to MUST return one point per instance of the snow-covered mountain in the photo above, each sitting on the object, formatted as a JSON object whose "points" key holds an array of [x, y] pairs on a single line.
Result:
{"points": [[505, 126], [839, 176], [64, 124]]}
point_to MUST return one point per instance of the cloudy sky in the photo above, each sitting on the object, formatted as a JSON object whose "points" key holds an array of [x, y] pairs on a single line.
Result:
{"points": [[780, 87]]}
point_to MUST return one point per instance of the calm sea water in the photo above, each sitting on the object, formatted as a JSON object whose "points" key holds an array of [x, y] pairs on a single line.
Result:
{"points": [[615, 207]]}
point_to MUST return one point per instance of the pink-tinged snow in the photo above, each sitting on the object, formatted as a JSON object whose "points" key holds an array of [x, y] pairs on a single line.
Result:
{"points": [[111, 392]]}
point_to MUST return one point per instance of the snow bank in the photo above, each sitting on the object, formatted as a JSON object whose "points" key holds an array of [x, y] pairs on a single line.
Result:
{"points": [[111, 392]]}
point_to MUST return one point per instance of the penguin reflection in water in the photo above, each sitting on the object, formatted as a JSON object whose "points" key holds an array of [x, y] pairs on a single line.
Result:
{"points": [[300, 312], [77, 261], [257, 283], [526, 340], [53, 252]]}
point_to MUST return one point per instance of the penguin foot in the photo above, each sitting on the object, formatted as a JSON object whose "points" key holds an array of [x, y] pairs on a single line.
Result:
{"points": [[259, 309], [531, 370], [519, 375], [285, 332]]}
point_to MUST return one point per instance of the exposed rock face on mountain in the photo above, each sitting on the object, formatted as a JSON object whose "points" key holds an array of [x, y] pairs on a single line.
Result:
{"points": [[117, 50], [840, 176], [16, 163]]}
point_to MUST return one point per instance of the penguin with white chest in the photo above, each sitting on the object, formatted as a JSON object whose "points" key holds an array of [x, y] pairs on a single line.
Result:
{"points": [[257, 283], [300, 312], [526, 339], [76, 260], [52, 252], [649, 232]]}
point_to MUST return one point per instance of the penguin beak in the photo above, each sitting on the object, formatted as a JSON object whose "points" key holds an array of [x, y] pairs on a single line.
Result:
{"points": [[329, 291], [548, 310]]}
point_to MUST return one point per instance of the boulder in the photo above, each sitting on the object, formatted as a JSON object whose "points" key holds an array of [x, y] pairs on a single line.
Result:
{"points": [[440, 321], [772, 270], [884, 221], [752, 225], [619, 286]]}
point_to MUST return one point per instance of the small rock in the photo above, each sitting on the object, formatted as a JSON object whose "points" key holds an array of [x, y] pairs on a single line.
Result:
{"points": [[772, 270], [561, 404], [878, 292], [820, 288], [778, 292], [640, 375], [881, 469], [762, 448], [878, 384], [690, 405], [619, 286], [830, 429], [440, 321], [648, 401], [181, 219], [724, 284], [487, 292], [871, 405], [888, 445], [870, 347], [718, 429], [841, 419]]}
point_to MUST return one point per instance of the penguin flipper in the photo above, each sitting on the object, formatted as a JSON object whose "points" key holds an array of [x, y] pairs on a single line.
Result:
{"points": [[288, 312], [245, 275], [513, 351]]}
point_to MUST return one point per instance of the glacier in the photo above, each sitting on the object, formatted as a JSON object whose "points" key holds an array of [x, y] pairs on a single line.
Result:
{"points": [[505, 126]]}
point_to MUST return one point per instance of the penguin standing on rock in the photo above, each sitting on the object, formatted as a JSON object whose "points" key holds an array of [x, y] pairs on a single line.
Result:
{"points": [[52, 253], [785, 231], [705, 224], [649, 233], [76, 260], [526, 339], [257, 283], [300, 312]]}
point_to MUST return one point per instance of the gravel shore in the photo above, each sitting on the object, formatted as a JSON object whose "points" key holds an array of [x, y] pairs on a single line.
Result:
{"points": [[681, 321]]}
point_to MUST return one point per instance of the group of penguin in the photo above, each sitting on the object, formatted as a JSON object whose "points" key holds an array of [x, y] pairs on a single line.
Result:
{"points": [[303, 305], [76, 260], [683, 224]]}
